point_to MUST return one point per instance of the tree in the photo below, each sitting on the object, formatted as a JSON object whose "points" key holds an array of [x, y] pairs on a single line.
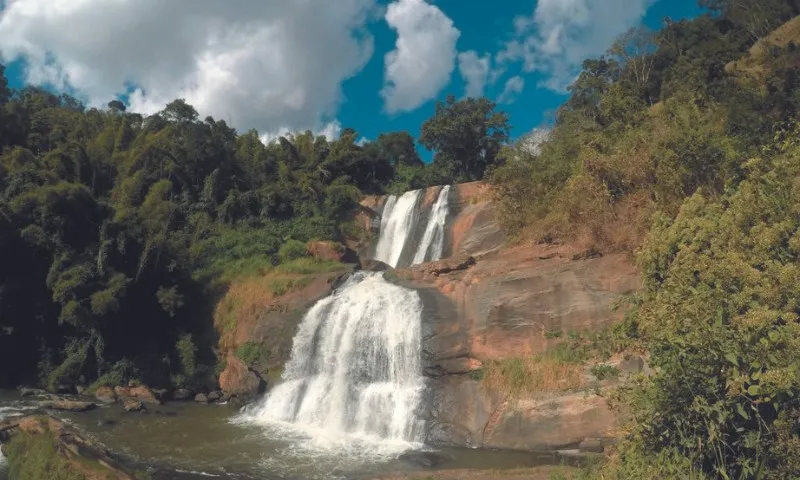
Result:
{"points": [[116, 106], [465, 136]]}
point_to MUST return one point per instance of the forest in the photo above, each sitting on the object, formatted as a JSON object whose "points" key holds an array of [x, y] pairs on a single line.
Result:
{"points": [[680, 148], [118, 232]]}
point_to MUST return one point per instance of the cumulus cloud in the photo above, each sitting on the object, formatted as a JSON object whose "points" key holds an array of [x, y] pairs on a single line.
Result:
{"points": [[513, 87], [475, 72], [560, 34], [265, 65], [331, 131], [424, 57]]}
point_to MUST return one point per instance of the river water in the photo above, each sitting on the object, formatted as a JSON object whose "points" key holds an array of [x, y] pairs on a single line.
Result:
{"points": [[188, 440]]}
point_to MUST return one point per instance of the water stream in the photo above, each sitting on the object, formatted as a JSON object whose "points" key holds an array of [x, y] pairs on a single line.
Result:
{"points": [[354, 379], [398, 223], [432, 244]]}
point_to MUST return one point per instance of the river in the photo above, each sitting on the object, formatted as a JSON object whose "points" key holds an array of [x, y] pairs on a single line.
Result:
{"points": [[188, 440]]}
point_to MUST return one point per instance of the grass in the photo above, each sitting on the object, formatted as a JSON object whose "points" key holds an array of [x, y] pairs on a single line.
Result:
{"points": [[604, 371], [521, 376], [34, 457], [308, 265]]}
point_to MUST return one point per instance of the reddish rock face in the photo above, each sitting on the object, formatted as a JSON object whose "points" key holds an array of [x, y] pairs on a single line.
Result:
{"points": [[238, 380], [140, 393], [105, 394], [325, 250]]}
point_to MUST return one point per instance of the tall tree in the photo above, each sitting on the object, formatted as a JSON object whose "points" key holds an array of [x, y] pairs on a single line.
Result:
{"points": [[465, 136]]}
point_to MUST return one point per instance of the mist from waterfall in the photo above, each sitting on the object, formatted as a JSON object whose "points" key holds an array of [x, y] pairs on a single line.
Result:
{"points": [[398, 223], [355, 374], [432, 244]]}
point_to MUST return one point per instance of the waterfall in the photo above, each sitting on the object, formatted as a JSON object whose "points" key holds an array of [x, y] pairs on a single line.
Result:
{"points": [[430, 249], [355, 375], [398, 223]]}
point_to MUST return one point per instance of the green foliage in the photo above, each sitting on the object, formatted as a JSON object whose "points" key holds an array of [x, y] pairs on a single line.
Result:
{"points": [[118, 230], [604, 371], [292, 250], [33, 457], [252, 353], [187, 354], [719, 317], [465, 136]]}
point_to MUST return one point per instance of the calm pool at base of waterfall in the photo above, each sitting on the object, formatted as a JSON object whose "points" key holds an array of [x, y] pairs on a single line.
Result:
{"points": [[207, 439]]}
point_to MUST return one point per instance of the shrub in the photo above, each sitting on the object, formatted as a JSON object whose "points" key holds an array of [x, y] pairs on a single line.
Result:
{"points": [[292, 250], [604, 371], [187, 355]]}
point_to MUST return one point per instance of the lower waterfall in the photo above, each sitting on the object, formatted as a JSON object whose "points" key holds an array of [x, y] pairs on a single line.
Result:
{"points": [[354, 377]]}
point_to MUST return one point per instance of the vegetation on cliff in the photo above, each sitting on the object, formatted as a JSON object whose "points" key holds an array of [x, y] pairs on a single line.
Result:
{"points": [[116, 230], [680, 148]]}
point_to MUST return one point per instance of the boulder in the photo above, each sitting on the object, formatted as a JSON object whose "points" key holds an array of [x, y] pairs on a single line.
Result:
{"points": [[140, 393], [132, 405], [238, 380], [64, 405], [326, 250], [31, 392], [201, 398], [214, 396], [105, 394], [182, 394], [423, 459]]}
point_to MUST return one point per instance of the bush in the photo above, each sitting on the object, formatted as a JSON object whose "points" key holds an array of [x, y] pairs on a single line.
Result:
{"points": [[292, 250], [187, 354], [604, 371]]}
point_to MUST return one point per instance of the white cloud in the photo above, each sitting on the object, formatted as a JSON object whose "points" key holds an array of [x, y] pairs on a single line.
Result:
{"points": [[423, 60], [331, 131], [532, 141], [562, 33], [265, 65], [475, 71], [514, 87]]}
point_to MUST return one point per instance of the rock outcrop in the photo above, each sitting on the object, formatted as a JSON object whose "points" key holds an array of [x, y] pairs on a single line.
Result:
{"points": [[502, 306], [239, 381], [80, 454]]}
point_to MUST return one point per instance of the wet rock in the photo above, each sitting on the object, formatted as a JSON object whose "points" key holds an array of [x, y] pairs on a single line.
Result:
{"points": [[140, 393], [132, 405], [214, 396], [182, 394], [201, 398], [423, 459], [65, 405], [105, 395], [81, 389], [224, 398], [239, 380], [65, 389], [161, 393], [371, 265], [31, 392], [131, 383], [445, 266], [455, 366], [591, 445]]}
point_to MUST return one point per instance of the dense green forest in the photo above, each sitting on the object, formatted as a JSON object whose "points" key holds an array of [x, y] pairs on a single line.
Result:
{"points": [[117, 231], [680, 147]]}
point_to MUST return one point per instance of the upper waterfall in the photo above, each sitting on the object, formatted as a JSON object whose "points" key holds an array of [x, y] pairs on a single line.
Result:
{"points": [[355, 370], [432, 244], [401, 220], [398, 223]]}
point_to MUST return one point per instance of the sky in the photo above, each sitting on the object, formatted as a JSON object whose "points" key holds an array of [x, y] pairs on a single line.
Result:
{"points": [[292, 65]]}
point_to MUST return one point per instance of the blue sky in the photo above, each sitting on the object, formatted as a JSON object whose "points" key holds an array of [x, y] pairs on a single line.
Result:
{"points": [[280, 66]]}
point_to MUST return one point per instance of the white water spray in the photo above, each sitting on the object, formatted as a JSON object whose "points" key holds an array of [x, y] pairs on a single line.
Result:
{"points": [[432, 244], [398, 222], [355, 375]]}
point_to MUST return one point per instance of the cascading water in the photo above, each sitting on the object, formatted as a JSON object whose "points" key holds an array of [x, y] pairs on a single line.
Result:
{"points": [[355, 375], [398, 223], [432, 244]]}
